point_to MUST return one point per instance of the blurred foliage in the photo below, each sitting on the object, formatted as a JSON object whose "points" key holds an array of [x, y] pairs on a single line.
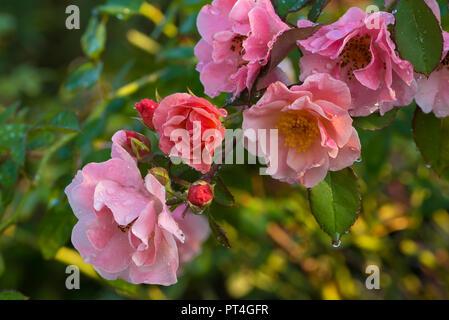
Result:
{"points": [[63, 93]]}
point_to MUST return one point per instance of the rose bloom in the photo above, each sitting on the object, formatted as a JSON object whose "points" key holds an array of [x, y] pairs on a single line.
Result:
{"points": [[196, 229], [124, 228], [315, 132], [237, 37], [433, 93], [358, 50], [189, 127]]}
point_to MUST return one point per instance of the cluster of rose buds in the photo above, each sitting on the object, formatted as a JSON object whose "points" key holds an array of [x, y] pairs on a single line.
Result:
{"points": [[141, 229]]}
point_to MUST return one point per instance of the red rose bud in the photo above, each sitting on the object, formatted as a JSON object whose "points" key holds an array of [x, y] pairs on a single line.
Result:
{"points": [[200, 195], [137, 144], [146, 108]]}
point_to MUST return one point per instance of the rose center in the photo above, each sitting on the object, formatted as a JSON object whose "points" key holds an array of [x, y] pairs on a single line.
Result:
{"points": [[299, 129], [237, 44], [356, 54]]}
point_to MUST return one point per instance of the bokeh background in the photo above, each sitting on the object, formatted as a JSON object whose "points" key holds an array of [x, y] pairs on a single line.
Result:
{"points": [[59, 108]]}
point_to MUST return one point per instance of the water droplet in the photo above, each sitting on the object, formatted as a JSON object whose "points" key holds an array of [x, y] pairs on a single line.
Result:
{"points": [[336, 244], [358, 160], [394, 11], [428, 166]]}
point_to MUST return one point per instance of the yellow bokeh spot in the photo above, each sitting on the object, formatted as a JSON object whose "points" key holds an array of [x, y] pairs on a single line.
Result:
{"points": [[154, 293], [330, 292], [427, 258], [368, 243], [156, 15], [239, 284], [143, 42], [408, 247], [299, 129], [441, 217], [71, 257]]}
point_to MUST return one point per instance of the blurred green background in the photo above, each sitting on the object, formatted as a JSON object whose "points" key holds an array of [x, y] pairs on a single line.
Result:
{"points": [[63, 93]]}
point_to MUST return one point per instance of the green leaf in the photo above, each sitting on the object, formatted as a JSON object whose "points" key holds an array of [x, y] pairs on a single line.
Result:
{"points": [[336, 202], [122, 9], [85, 76], [123, 287], [183, 52], [418, 35], [40, 138], [5, 115], [375, 121], [9, 171], [222, 195], [12, 138], [316, 9], [12, 295], [65, 120], [431, 137], [55, 229], [284, 7], [218, 232], [94, 39]]}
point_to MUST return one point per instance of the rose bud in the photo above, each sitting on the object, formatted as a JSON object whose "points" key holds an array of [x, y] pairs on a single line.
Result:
{"points": [[200, 195], [146, 108], [137, 144], [161, 175]]}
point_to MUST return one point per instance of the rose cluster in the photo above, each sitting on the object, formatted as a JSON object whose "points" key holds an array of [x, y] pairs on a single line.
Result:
{"points": [[142, 230]]}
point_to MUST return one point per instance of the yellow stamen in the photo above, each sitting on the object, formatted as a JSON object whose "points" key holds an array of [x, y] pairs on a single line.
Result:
{"points": [[299, 129]]}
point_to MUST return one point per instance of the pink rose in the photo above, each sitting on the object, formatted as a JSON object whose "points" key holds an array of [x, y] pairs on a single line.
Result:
{"points": [[358, 49], [433, 93], [124, 230], [315, 132], [190, 128], [237, 37], [196, 229]]}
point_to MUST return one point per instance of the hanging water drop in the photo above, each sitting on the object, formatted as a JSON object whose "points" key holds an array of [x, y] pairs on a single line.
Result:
{"points": [[336, 244], [428, 166]]}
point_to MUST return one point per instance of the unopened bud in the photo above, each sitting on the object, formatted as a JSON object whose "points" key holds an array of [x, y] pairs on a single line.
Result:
{"points": [[161, 175], [200, 195], [146, 108], [137, 144]]}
